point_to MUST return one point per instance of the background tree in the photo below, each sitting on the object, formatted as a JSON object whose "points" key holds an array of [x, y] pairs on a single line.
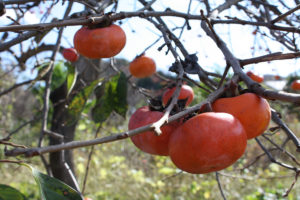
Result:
{"points": [[51, 108]]}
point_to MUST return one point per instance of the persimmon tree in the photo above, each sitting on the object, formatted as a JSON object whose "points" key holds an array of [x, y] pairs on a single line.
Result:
{"points": [[64, 90]]}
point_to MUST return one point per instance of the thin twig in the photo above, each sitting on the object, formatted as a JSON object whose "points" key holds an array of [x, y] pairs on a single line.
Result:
{"points": [[270, 57], [34, 119], [220, 186], [284, 15], [157, 125], [12, 144], [14, 87], [273, 160], [11, 161], [89, 161], [285, 128], [224, 75], [292, 185], [282, 150]]}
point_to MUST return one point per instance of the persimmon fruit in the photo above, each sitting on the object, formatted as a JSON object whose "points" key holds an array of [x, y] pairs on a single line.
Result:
{"points": [[70, 54], [207, 142], [295, 85], [252, 110], [277, 77], [148, 141], [104, 42], [255, 77], [186, 92], [142, 66]]}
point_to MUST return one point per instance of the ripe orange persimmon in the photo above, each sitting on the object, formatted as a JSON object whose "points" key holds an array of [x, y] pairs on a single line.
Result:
{"points": [[148, 141], [70, 54], [255, 78], [207, 142], [277, 77], [103, 42], [253, 112], [186, 92], [295, 85], [142, 66]]}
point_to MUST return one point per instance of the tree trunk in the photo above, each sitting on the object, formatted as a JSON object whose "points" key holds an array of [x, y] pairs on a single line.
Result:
{"points": [[57, 159], [87, 74]]}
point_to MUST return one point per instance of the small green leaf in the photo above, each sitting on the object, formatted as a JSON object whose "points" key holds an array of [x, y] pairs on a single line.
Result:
{"points": [[78, 102], [59, 75], [111, 96], [103, 108], [71, 77], [121, 105], [10, 193]]}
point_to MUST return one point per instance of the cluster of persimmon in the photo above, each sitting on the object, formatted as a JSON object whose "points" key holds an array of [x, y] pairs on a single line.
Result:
{"points": [[295, 85], [204, 143], [209, 141]]}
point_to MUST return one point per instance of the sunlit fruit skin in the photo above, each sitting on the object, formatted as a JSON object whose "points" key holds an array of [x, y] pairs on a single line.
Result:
{"points": [[186, 92], [295, 85], [148, 141], [255, 78], [142, 67], [252, 110], [103, 42], [208, 142], [70, 54]]}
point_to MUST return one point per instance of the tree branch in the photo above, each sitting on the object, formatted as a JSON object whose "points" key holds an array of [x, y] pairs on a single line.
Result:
{"points": [[30, 152], [284, 15], [234, 62], [286, 129], [270, 57]]}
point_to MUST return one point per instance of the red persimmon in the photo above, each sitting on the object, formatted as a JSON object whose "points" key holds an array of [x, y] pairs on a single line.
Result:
{"points": [[295, 85], [70, 54], [255, 77], [253, 111], [148, 141], [142, 67], [186, 92], [207, 142], [103, 42]]}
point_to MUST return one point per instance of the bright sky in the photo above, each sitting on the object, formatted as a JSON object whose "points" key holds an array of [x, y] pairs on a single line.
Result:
{"points": [[140, 34]]}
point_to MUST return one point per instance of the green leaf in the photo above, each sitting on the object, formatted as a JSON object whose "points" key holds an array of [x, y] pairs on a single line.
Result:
{"points": [[111, 96], [52, 188], [121, 104], [103, 108], [77, 104], [10, 193], [71, 77], [59, 75]]}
